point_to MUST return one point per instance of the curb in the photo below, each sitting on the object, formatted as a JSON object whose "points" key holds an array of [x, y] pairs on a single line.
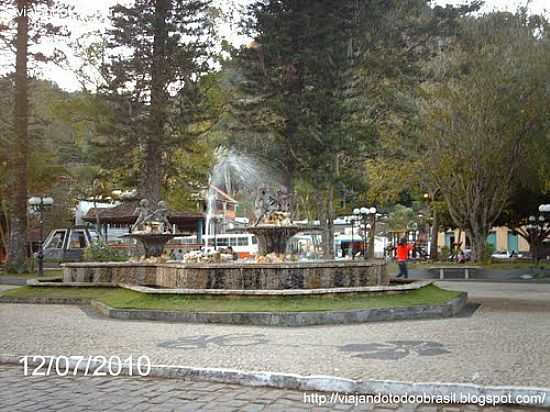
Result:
{"points": [[287, 319], [14, 281], [314, 382], [405, 287], [45, 300], [291, 319], [60, 284]]}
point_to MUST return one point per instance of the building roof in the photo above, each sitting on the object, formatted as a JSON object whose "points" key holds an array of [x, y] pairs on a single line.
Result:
{"points": [[125, 214], [225, 196]]}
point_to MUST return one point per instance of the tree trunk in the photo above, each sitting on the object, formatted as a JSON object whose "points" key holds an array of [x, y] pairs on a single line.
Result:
{"points": [[434, 236], [479, 241], [98, 222], [328, 224], [20, 149], [153, 162], [152, 176], [372, 235], [535, 242]]}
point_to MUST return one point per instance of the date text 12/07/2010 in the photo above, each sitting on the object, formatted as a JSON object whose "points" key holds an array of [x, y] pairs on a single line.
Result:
{"points": [[39, 365]]}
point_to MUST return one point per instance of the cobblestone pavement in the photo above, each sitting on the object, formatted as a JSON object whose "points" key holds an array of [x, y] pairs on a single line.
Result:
{"points": [[482, 291], [504, 342], [84, 393]]}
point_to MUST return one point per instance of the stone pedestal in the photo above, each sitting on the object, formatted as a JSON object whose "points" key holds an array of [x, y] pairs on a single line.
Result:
{"points": [[153, 243]]}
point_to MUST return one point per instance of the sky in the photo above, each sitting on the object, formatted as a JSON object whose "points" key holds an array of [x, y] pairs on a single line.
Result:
{"points": [[67, 80]]}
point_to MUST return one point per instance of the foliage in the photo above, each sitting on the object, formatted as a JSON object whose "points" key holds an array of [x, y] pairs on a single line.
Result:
{"points": [[394, 41], [444, 254], [18, 268], [153, 85], [388, 179], [100, 251], [400, 218], [479, 118], [26, 28], [488, 250]]}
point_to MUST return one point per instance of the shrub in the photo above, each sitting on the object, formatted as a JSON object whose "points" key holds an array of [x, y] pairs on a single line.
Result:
{"points": [[18, 269], [488, 250], [444, 254], [100, 251]]}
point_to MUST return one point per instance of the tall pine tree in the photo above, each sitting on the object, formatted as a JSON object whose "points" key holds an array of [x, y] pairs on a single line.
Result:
{"points": [[29, 26], [158, 50]]}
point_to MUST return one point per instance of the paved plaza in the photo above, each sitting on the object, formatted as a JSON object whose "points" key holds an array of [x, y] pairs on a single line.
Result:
{"points": [[501, 339], [78, 393]]}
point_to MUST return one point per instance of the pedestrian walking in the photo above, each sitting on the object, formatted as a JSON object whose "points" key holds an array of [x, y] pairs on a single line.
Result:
{"points": [[402, 252]]}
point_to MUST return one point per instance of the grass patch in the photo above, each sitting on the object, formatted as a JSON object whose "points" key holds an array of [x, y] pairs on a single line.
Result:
{"points": [[32, 275], [127, 299]]}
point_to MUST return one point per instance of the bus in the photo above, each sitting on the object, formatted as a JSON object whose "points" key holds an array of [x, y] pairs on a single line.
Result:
{"points": [[244, 244]]}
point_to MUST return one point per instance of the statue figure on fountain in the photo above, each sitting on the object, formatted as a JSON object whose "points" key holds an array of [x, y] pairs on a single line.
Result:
{"points": [[271, 208], [143, 211], [151, 221]]}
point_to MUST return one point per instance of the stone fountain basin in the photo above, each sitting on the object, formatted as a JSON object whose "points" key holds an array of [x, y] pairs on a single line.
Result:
{"points": [[153, 243], [274, 238], [233, 276]]}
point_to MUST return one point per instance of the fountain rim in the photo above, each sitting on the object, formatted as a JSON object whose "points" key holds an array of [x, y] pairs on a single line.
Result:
{"points": [[137, 235], [303, 228], [230, 265]]}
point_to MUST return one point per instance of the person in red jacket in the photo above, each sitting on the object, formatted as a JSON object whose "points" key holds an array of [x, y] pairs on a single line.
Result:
{"points": [[402, 254]]}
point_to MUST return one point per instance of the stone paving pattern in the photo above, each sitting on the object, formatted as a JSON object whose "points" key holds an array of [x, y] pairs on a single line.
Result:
{"points": [[85, 393], [504, 342]]}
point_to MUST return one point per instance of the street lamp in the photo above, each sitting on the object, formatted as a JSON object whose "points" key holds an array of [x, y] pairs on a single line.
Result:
{"points": [[368, 219], [351, 219], [38, 205], [538, 229]]}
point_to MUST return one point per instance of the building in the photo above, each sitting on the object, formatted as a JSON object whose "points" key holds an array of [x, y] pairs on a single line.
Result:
{"points": [[224, 205], [502, 238], [117, 221]]}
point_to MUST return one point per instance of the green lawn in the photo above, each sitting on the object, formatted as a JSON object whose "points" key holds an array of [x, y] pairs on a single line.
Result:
{"points": [[32, 275], [127, 299]]}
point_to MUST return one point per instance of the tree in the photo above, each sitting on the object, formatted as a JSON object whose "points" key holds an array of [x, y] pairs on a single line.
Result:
{"points": [[30, 29], [523, 204], [158, 51], [479, 119], [294, 77]]}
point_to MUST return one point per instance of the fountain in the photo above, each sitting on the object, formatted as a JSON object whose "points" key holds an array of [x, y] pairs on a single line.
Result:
{"points": [[152, 228], [272, 226], [237, 173]]}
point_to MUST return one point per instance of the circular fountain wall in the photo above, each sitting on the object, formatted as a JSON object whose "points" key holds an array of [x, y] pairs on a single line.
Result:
{"points": [[232, 276]]}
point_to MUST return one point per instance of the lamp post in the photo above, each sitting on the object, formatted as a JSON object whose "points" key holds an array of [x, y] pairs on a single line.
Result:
{"points": [[368, 218], [538, 228], [353, 219], [372, 232], [38, 205]]}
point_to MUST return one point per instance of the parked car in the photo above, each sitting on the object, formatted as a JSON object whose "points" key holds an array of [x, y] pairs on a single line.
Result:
{"points": [[68, 244], [504, 255]]}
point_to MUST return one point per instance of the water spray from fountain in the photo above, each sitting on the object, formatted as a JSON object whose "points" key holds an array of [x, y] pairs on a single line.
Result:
{"points": [[237, 172]]}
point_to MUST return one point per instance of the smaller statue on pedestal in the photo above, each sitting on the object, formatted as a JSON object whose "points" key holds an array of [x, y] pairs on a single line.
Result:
{"points": [[143, 211], [271, 208], [152, 221], [161, 215]]}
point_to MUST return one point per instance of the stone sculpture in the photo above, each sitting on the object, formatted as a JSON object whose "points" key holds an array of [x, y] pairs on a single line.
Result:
{"points": [[271, 208], [143, 211], [151, 221]]}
